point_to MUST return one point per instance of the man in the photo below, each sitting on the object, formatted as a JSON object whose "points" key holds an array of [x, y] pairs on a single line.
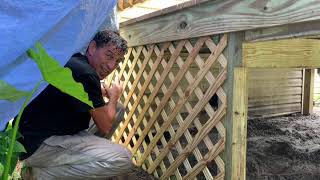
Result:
{"points": [[54, 123]]}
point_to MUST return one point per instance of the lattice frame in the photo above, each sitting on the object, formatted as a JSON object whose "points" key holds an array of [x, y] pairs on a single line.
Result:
{"points": [[170, 126]]}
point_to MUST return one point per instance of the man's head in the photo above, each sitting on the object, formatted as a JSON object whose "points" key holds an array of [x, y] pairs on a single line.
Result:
{"points": [[105, 51]]}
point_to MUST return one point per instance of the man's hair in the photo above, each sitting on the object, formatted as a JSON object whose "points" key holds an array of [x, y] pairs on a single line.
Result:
{"points": [[107, 36]]}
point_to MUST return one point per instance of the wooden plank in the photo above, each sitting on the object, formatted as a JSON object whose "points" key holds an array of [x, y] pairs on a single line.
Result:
{"points": [[308, 89], [259, 74], [233, 53], [275, 109], [271, 91], [274, 91], [300, 30], [219, 16], [275, 83], [239, 130], [274, 100], [164, 11], [289, 53]]}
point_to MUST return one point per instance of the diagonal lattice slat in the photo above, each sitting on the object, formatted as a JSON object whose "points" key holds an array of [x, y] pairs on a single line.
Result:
{"points": [[171, 126]]}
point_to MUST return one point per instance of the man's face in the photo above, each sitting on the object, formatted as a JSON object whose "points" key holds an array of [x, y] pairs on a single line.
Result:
{"points": [[104, 59]]}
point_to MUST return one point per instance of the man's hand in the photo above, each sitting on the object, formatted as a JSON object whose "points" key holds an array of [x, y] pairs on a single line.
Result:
{"points": [[113, 92], [104, 116], [104, 92]]}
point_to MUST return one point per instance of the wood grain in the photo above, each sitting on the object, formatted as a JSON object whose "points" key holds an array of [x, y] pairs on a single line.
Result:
{"points": [[308, 89], [239, 131], [220, 16], [288, 53]]}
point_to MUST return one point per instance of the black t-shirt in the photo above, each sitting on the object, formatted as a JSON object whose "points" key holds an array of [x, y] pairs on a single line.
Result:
{"points": [[53, 112]]}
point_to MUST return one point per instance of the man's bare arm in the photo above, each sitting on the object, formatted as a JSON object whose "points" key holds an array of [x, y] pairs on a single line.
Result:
{"points": [[104, 116]]}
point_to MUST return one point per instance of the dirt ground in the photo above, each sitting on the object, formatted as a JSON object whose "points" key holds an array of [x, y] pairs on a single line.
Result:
{"points": [[137, 174], [284, 148], [278, 148]]}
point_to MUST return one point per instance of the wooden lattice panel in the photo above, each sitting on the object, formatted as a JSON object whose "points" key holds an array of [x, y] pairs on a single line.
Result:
{"points": [[174, 107]]}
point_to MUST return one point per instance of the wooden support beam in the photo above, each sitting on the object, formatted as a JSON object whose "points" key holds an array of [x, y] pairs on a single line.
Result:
{"points": [[298, 30], [308, 88], [288, 53], [233, 53], [218, 16], [239, 118]]}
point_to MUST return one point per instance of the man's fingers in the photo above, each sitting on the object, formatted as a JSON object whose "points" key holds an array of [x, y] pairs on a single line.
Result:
{"points": [[105, 86], [115, 80]]}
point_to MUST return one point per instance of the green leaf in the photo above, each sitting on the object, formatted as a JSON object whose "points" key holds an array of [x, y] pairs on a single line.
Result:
{"points": [[8, 132], [57, 75], [19, 135], [18, 147], [1, 169], [10, 93]]}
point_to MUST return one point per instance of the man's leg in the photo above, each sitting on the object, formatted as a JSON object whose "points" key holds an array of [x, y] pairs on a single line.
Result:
{"points": [[81, 156], [117, 120]]}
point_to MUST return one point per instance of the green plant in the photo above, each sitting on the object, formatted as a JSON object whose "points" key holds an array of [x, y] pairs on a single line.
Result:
{"points": [[52, 73], [5, 139]]}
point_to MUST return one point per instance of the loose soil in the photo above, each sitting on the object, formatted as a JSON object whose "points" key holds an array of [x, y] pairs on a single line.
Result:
{"points": [[284, 148]]}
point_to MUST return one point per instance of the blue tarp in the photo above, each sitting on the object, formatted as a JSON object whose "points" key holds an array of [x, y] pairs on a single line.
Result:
{"points": [[62, 27]]}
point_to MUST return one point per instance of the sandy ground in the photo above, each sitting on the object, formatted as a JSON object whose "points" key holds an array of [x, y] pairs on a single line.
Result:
{"points": [[284, 148]]}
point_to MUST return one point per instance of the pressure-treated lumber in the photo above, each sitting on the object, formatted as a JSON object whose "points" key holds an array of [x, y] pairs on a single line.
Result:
{"points": [[233, 53], [308, 88], [288, 53], [239, 130], [219, 16], [159, 10], [310, 29]]}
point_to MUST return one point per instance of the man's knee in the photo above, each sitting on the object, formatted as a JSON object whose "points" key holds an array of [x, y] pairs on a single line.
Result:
{"points": [[120, 157]]}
